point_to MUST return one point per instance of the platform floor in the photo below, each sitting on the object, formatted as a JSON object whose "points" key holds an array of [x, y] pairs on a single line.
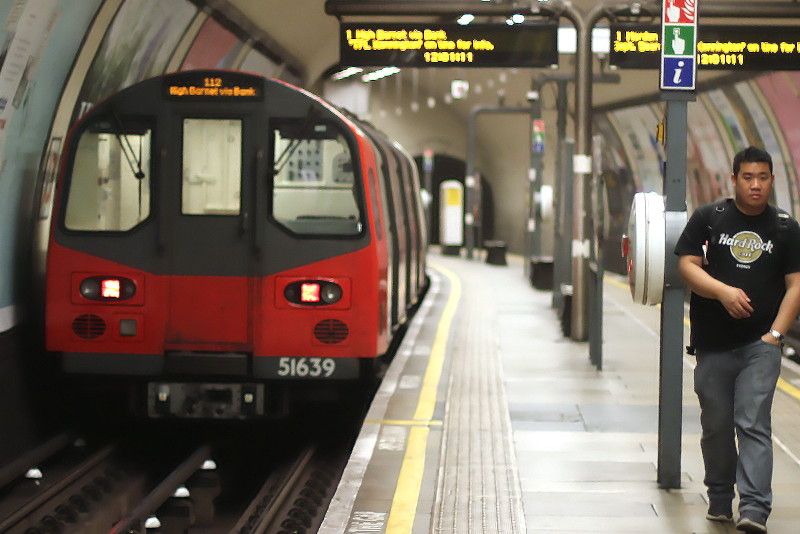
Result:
{"points": [[489, 420]]}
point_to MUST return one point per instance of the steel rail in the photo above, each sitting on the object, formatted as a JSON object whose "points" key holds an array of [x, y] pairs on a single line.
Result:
{"points": [[49, 493], [134, 521], [20, 466]]}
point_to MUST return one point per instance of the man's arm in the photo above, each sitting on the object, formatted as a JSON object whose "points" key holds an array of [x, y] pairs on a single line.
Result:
{"points": [[789, 308], [735, 300]]}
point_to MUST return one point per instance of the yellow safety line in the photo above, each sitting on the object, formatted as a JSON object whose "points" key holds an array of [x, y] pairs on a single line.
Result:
{"points": [[427, 397], [404, 422], [614, 281], [783, 385], [409, 481], [789, 389], [406, 495]]}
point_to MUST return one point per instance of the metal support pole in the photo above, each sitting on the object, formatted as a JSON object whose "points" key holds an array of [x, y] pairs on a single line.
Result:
{"points": [[563, 224], [583, 283], [581, 167], [597, 265], [469, 187], [562, 274], [537, 158], [560, 259], [533, 241], [670, 394], [427, 175]]}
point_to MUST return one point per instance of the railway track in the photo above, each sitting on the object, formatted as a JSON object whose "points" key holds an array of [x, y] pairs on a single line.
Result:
{"points": [[66, 486]]}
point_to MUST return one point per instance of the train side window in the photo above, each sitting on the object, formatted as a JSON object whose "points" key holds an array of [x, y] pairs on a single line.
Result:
{"points": [[109, 180], [314, 186], [212, 166]]}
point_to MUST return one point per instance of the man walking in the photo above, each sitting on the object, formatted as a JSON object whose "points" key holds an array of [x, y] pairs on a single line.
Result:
{"points": [[741, 259]]}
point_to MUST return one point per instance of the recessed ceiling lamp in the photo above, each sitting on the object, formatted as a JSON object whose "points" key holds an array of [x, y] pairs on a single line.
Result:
{"points": [[346, 73], [465, 19], [380, 73]]}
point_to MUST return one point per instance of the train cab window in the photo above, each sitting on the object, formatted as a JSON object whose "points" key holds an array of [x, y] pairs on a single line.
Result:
{"points": [[212, 166], [109, 179], [314, 187]]}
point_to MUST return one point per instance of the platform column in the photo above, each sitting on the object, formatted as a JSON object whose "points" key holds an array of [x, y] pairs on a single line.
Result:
{"points": [[678, 75]]}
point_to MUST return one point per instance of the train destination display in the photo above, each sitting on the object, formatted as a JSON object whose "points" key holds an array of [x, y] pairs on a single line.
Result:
{"points": [[637, 46], [224, 86], [448, 45]]}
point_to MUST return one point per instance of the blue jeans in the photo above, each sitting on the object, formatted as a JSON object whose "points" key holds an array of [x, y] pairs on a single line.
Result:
{"points": [[736, 388]]}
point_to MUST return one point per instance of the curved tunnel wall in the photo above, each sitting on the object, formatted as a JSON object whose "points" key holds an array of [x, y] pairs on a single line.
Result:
{"points": [[49, 75], [58, 58], [763, 111]]}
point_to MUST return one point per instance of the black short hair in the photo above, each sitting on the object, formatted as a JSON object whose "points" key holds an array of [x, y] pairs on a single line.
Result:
{"points": [[751, 154]]}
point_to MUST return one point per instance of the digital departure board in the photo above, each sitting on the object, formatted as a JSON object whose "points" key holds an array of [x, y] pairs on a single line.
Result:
{"points": [[761, 48], [448, 45], [213, 86]]}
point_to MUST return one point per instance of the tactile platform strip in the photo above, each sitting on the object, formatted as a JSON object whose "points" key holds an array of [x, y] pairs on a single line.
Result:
{"points": [[478, 488]]}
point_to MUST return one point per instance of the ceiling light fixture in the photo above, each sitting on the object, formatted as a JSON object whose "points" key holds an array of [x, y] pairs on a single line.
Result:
{"points": [[380, 73], [346, 73], [465, 19]]}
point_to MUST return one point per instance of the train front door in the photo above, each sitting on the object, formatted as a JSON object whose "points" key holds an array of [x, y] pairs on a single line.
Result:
{"points": [[209, 216]]}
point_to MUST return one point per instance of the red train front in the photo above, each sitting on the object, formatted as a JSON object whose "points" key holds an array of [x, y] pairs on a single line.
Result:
{"points": [[227, 244]]}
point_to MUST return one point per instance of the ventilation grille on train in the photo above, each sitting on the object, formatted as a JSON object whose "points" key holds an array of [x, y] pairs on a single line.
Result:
{"points": [[88, 326], [331, 331]]}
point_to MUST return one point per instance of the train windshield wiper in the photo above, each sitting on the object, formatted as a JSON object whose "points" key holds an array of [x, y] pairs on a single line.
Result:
{"points": [[128, 151], [302, 135]]}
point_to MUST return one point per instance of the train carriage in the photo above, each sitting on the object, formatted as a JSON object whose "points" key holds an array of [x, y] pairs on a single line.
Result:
{"points": [[229, 244]]}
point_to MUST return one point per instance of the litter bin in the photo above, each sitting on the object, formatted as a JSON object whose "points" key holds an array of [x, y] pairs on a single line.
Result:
{"points": [[495, 252], [542, 272]]}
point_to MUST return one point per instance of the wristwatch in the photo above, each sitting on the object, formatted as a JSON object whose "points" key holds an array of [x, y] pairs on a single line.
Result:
{"points": [[777, 335]]}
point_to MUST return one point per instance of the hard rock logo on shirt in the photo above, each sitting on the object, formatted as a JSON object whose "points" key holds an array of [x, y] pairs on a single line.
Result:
{"points": [[746, 247]]}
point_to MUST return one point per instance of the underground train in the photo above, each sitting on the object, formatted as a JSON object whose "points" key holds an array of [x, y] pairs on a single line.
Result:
{"points": [[226, 245]]}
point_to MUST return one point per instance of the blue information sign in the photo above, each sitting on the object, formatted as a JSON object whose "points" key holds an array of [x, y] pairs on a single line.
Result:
{"points": [[677, 73], [679, 42]]}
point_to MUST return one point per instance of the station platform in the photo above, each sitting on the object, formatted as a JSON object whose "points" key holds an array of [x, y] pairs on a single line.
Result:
{"points": [[489, 420]]}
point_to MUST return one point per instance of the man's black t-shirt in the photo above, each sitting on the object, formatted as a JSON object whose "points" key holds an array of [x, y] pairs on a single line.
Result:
{"points": [[751, 252]]}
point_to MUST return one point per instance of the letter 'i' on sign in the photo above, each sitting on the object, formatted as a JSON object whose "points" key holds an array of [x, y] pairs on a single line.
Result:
{"points": [[679, 38]]}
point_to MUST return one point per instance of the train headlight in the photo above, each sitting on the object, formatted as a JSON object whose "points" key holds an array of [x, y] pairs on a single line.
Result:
{"points": [[331, 293], [313, 292], [107, 288]]}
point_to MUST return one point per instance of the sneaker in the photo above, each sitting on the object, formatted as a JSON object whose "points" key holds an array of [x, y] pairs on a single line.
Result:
{"points": [[748, 525], [719, 512]]}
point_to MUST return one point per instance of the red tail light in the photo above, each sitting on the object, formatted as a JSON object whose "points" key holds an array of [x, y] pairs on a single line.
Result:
{"points": [[313, 292], [309, 292], [110, 288], [107, 288]]}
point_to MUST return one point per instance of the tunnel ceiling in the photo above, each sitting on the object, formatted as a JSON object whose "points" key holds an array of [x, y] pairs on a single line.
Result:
{"points": [[304, 30]]}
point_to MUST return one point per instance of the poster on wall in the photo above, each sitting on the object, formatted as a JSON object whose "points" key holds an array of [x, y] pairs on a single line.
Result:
{"points": [[636, 127], [30, 23], [731, 123], [49, 172], [213, 48], [138, 45], [780, 91], [257, 63], [707, 165], [767, 133]]}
